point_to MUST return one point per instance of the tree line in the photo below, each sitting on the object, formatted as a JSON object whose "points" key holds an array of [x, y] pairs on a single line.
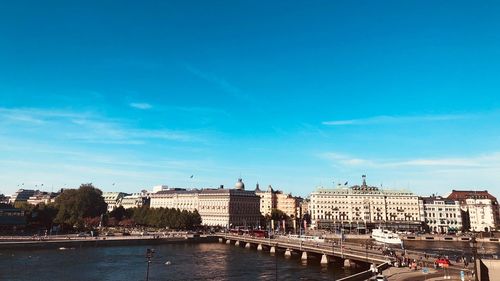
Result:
{"points": [[84, 208]]}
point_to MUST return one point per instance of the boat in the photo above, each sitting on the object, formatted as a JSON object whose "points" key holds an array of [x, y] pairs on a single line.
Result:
{"points": [[386, 236]]}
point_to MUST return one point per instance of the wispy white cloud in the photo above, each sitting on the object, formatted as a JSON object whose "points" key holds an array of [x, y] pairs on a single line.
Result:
{"points": [[490, 160], [346, 160], [140, 105], [220, 82], [86, 127], [386, 119], [35, 116]]}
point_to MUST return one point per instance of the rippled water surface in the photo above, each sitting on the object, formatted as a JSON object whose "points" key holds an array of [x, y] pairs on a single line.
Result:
{"points": [[211, 261]]}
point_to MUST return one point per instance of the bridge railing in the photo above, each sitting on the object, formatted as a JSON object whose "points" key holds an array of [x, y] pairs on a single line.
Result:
{"points": [[350, 251]]}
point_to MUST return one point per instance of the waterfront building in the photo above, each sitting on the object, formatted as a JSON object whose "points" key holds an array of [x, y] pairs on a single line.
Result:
{"points": [[441, 215], [304, 206], [230, 207], [287, 203], [271, 199], [22, 195], [362, 207], [480, 210], [216, 206], [176, 198], [42, 197], [268, 200], [113, 199], [135, 200], [11, 218]]}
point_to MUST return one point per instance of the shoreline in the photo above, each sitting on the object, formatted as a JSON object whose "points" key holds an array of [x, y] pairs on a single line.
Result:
{"points": [[99, 242]]}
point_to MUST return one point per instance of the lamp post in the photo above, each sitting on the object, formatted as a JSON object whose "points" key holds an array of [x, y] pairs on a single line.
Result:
{"points": [[333, 258], [335, 212], [149, 256], [473, 245]]}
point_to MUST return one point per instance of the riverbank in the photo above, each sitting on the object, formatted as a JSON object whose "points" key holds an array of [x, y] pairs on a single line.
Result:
{"points": [[79, 242]]}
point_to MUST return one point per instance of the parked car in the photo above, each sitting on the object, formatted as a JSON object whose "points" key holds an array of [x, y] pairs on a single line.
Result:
{"points": [[82, 234]]}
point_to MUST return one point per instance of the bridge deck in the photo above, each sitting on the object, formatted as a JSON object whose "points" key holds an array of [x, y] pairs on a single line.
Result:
{"points": [[346, 251]]}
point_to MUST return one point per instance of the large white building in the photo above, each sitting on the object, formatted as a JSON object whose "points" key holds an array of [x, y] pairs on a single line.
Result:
{"points": [[134, 200], [177, 198], [442, 215], [364, 206], [217, 207], [113, 199], [480, 210]]}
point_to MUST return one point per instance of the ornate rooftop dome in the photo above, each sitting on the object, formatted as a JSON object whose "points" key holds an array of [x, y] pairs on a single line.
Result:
{"points": [[239, 185]]}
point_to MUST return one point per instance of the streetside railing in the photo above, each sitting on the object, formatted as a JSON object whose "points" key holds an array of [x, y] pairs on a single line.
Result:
{"points": [[364, 275]]}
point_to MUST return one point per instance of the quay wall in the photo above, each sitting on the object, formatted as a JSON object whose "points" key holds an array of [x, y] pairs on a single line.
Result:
{"points": [[448, 238], [424, 237], [100, 242], [489, 269]]}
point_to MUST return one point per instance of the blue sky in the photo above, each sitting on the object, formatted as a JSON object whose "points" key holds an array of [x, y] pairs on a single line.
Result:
{"points": [[289, 93]]}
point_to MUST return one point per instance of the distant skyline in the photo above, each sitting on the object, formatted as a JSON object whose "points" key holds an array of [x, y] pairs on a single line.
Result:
{"points": [[284, 94]]}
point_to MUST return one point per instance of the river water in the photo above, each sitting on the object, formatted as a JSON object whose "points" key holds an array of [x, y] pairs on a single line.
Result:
{"points": [[207, 261]]}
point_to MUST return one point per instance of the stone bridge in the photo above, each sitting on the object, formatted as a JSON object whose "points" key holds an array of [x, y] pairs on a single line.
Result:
{"points": [[348, 253]]}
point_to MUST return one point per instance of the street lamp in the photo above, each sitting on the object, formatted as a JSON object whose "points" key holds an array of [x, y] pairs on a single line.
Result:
{"points": [[473, 245], [333, 259], [335, 212], [149, 256]]}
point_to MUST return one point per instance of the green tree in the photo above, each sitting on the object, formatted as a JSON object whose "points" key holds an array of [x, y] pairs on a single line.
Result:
{"points": [[76, 204], [277, 214]]}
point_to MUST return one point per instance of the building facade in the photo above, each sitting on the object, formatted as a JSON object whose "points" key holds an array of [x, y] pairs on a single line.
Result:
{"points": [[113, 199], [480, 211], [267, 200], [216, 206], [22, 195], [271, 199], [42, 197], [11, 219], [288, 204], [362, 207], [441, 215], [177, 198], [135, 200], [229, 208]]}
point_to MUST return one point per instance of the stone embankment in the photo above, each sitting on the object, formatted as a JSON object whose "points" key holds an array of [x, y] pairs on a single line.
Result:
{"points": [[63, 242]]}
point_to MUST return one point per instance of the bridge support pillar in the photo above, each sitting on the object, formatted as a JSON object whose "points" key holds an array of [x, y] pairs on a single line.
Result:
{"points": [[272, 250], [248, 245], [324, 259], [304, 256], [237, 243], [228, 241], [221, 240], [259, 247], [348, 263], [288, 253]]}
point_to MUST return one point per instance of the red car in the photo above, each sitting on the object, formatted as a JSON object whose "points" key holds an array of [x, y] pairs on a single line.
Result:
{"points": [[442, 262]]}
